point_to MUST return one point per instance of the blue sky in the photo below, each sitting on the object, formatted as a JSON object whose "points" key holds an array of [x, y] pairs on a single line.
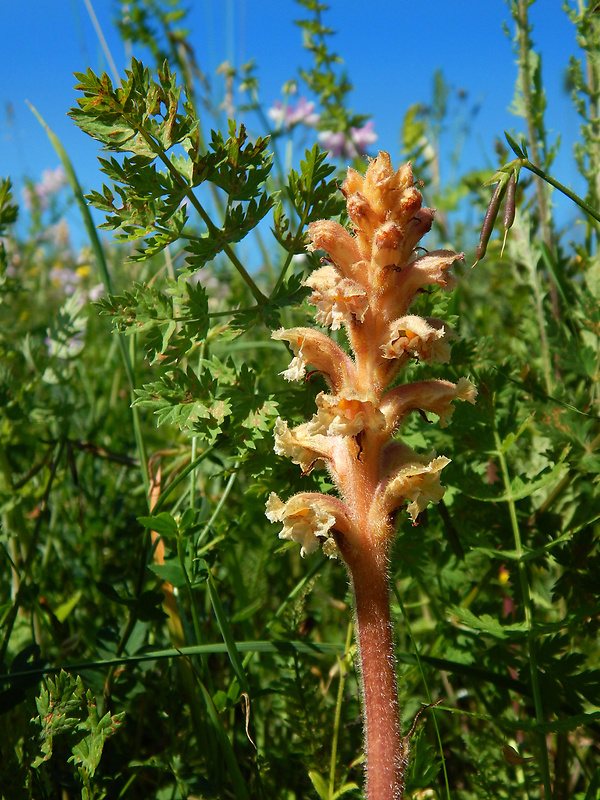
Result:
{"points": [[390, 49]]}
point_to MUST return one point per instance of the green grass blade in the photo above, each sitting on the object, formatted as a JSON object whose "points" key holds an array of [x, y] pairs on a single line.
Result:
{"points": [[239, 785], [226, 633]]}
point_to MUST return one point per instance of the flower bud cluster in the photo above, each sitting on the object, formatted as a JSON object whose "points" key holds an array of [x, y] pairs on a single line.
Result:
{"points": [[367, 283]]}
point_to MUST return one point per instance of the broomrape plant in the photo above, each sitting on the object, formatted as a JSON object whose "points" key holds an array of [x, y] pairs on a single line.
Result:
{"points": [[140, 556], [367, 285]]}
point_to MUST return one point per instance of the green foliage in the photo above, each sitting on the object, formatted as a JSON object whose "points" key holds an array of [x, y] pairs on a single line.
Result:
{"points": [[8, 215], [211, 653], [67, 711]]}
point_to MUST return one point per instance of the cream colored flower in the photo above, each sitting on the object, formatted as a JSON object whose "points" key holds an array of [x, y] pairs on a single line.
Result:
{"points": [[346, 415], [465, 390], [310, 519], [427, 338], [303, 522], [297, 367], [338, 300], [432, 268], [433, 396], [417, 482], [313, 347], [286, 444], [301, 445], [337, 242]]}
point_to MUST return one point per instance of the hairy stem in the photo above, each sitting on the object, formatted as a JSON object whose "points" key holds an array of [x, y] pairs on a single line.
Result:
{"points": [[384, 747]]}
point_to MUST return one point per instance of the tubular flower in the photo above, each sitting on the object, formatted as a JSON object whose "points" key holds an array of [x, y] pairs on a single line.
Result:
{"points": [[303, 522], [338, 300], [313, 347], [426, 339], [311, 519], [418, 482], [369, 279], [346, 415]]}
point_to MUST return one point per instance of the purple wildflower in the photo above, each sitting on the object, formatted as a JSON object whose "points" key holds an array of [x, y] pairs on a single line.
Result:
{"points": [[65, 279], [334, 141], [350, 146], [290, 115], [52, 182]]}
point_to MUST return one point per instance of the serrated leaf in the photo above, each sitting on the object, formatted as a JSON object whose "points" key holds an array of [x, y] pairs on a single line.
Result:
{"points": [[86, 754]]}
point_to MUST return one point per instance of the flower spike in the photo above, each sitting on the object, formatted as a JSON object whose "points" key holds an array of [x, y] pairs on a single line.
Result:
{"points": [[366, 285]]}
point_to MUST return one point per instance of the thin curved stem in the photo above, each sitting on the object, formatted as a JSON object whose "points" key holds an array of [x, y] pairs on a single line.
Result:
{"points": [[561, 188], [424, 679], [338, 711], [528, 612]]}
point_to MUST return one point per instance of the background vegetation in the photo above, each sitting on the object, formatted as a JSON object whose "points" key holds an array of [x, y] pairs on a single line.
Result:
{"points": [[158, 641]]}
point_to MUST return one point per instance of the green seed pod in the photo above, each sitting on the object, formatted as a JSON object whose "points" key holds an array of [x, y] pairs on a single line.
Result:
{"points": [[509, 207], [489, 220]]}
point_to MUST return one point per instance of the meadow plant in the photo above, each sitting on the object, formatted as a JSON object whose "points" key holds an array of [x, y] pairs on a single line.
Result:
{"points": [[158, 639], [367, 285]]}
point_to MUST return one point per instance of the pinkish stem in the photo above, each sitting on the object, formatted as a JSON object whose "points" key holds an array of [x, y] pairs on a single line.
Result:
{"points": [[386, 759]]}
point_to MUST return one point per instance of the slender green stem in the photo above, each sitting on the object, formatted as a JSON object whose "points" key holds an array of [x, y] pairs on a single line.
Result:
{"points": [[528, 611], [197, 625], [11, 617], [219, 506], [425, 684], [193, 476], [182, 476], [561, 188], [535, 130], [297, 237], [102, 40], [190, 592], [338, 709]]}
